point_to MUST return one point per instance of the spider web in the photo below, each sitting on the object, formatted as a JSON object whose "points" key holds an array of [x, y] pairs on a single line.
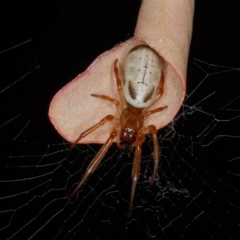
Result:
{"points": [[197, 185]]}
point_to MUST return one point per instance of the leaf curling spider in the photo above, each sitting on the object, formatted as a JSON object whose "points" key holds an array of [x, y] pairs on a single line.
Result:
{"points": [[142, 86]]}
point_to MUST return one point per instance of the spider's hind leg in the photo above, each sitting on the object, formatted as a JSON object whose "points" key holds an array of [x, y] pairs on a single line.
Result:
{"points": [[136, 166], [132, 147]]}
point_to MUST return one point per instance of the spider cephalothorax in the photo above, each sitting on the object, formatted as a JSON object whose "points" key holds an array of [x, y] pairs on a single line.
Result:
{"points": [[142, 86], [131, 121]]}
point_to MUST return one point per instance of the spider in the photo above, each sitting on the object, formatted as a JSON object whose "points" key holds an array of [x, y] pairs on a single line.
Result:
{"points": [[142, 86]]}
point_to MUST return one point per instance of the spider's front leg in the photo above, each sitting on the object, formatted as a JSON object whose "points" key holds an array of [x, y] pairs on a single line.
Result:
{"points": [[94, 163], [93, 128], [97, 159]]}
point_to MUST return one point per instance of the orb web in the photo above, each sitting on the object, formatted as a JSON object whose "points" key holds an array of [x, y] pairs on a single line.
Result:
{"points": [[196, 191], [196, 186]]}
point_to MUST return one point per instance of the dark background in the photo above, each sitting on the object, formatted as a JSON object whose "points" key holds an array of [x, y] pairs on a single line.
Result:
{"points": [[59, 39]]}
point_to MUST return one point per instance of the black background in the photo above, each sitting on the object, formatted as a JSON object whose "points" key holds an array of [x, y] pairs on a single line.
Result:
{"points": [[62, 39]]}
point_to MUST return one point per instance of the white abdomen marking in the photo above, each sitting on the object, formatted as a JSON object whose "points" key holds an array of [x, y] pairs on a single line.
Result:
{"points": [[142, 73]]}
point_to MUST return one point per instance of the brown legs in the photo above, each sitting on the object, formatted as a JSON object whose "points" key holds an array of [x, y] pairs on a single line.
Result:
{"points": [[137, 159], [156, 151], [160, 91], [94, 163], [115, 136], [122, 104], [97, 159], [136, 167], [91, 129], [117, 103], [119, 85], [149, 112]]}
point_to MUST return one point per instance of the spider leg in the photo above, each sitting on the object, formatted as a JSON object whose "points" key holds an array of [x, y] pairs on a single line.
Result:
{"points": [[119, 145], [160, 91], [136, 167], [156, 152], [149, 112], [119, 84], [94, 163], [117, 103], [132, 148], [91, 129]]}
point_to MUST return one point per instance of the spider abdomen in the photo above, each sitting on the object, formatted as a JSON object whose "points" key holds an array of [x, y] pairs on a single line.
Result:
{"points": [[142, 73]]}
